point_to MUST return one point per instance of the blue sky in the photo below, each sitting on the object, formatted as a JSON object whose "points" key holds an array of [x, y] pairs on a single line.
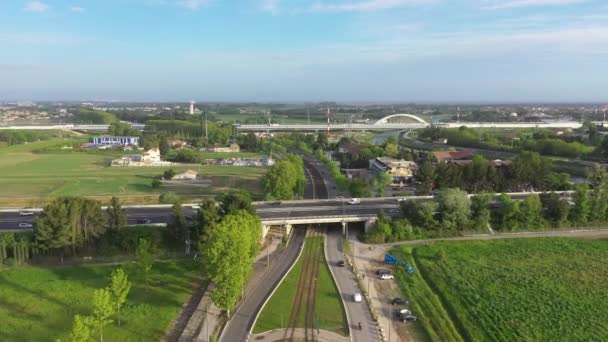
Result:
{"points": [[297, 50]]}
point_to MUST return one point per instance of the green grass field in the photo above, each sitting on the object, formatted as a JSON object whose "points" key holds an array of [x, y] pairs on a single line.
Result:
{"points": [[34, 175], [329, 310], [509, 290], [39, 303]]}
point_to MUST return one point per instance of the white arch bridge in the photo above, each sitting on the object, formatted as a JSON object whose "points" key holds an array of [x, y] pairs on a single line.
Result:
{"points": [[383, 124]]}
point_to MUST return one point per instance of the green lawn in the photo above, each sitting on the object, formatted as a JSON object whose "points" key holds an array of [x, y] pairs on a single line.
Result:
{"points": [[510, 290], [329, 310], [39, 303], [26, 174]]}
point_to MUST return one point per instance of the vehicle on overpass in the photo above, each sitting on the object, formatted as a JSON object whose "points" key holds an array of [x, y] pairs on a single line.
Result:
{"points": [[354, 201]]}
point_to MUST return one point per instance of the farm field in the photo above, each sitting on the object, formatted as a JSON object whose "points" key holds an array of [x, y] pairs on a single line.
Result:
{"points": [[549, 289], [281, 311], [38, 175], [39, 303]]}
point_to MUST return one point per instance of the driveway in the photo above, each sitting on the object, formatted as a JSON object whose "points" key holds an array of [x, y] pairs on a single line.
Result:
{"points": [[347, 285]]}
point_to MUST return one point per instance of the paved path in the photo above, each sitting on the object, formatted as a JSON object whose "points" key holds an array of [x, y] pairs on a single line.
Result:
{"points": [[299, 333], [356, 312], [239, 325]]}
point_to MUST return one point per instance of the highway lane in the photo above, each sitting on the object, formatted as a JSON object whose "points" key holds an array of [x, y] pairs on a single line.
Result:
{"points": [[266, 210]]}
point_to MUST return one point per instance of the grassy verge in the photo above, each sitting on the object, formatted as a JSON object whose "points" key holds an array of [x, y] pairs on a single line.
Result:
{"points": [[329, 310], [549, 289], [38, 303]]}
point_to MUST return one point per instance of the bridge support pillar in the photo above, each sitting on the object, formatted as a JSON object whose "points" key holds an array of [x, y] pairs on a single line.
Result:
{"points": [[265, 229], [345, 229], [369, 224], [288, 228]]}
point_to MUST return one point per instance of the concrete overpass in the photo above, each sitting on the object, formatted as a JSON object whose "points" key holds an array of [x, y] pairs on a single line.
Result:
{"points": [[67, 127], [286, 213]]}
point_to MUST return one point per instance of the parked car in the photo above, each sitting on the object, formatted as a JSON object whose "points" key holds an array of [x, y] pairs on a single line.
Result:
{"points": [[382, 271], [143, 221], [341, 263], [357, 297], [405, 315], [354, 201], [399, 301], [387, 276], [401, 199], [26, 213], [25, 225], [196, 207]]}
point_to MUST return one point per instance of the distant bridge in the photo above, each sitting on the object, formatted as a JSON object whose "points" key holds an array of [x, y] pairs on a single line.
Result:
{"points": [[68, 127]]}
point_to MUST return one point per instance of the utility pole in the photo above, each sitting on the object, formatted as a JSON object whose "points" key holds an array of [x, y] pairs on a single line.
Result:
{"points": [[308, 114], [206, 129]]}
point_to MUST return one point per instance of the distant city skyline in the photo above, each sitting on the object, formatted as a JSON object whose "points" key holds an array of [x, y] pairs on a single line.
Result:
{"points": [[470, 51]]}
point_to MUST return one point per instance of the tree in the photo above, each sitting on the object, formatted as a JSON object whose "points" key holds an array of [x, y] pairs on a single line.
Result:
{"points": [[322, 140], [117, 216], [206, 218], [425, 177], [530, 213], [579, 213], [555, 209], [163, 145], [81, 330], [507, 215], [53, 228], [480, 213], [279, 182], [391, 150], [229, 251], [122, 129], [92, 220], [358, 188], [421, 214], [6, 239], [380, 182], [145, 258], [103, 309], [120, 287], [169, 174], [177, 227], [235, 201], [156, 183], [454, 207]]}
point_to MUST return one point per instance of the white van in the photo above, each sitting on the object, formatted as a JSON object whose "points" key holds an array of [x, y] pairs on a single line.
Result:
{"points": [[357, 297]]}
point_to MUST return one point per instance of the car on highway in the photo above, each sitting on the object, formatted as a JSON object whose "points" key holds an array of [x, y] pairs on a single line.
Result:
{"points": [[143, 220], [401, 199], [196, 207], [405, 315], [387, 276], [354, 201], [26, 213], [25, 225], [399, 301], [357, 297]]}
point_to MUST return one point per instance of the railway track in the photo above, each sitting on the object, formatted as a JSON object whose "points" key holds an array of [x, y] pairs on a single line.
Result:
{"points": [[305, 297]]}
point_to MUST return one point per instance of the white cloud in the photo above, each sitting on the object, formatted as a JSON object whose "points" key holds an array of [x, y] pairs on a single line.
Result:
{"points": [[77, 9], [270, 6], [367, 5], [192, 4], [494, 5], [36, 6]]}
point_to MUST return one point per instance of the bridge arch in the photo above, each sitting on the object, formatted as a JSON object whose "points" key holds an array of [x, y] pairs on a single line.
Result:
{"points": [[385, 119]]}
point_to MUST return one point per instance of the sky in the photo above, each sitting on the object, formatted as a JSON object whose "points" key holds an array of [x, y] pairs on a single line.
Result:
{"points": [[297, 50]]}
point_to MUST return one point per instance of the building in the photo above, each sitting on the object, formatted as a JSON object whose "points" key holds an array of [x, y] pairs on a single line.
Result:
{"points": [[233, 148], [444, 156], [400, 170], [186, 175], [149, 158], [177, 144], [123, 141], [192, 107]]}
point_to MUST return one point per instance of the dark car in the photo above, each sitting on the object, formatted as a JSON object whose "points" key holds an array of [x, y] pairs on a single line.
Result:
{"points": [[405, 315], [399, 301], [341, 263], [382, 271], [143, 221]]}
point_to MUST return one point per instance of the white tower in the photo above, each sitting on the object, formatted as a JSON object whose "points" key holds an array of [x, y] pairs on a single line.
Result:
{"points": [[192, 107]]}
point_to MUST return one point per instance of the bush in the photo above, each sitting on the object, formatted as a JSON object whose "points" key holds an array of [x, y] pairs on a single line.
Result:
{"points": [[156, 183], [169, 198]]}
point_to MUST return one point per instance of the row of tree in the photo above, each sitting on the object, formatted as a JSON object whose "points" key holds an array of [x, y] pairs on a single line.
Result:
{"points": [[528, 171], [453, 211]]}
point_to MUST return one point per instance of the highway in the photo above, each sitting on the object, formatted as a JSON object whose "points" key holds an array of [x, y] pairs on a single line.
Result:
{"points": [[269, 212]]}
